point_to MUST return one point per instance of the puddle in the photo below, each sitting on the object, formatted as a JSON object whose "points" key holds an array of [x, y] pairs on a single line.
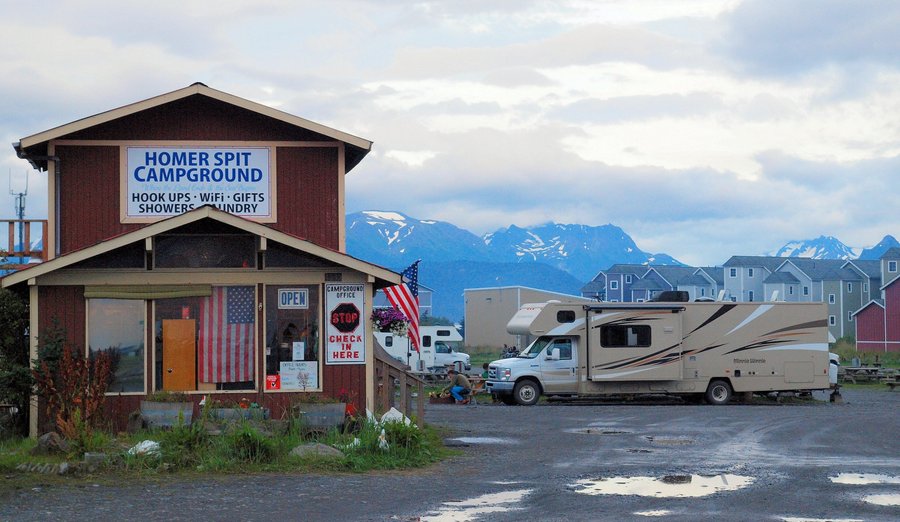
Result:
{"points": [[654, 513], [801, 519], [462, 510], [599, 431], [670, 486], [890, 499], [482, 440], [670, 441], [863, 479], [638, 450]]}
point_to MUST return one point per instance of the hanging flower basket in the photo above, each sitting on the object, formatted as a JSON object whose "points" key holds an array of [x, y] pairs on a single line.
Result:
{"points": [[390, 320]]}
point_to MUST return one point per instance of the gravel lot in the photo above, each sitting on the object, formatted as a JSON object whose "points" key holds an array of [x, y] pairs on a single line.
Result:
{"points": [[624, 461]]}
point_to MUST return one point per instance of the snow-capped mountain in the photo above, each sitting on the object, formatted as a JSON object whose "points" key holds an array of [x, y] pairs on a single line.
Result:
{"points": [[878, 250], [395, 240], [559, 258], [822, 247], [578, 249]]}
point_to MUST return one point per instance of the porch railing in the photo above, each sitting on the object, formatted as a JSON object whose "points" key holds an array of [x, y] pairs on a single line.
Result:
{"points": [[19, 239], [391, 374]]}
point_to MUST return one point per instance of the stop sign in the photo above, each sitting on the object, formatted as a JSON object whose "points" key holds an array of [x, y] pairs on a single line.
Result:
{"points": [[345, 317]]}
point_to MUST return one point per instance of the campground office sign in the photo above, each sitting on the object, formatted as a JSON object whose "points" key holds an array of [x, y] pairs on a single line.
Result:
{"points": [[160, 182], [346, 329]]}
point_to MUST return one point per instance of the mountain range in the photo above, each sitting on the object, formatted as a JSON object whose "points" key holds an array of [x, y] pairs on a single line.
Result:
{"points": [[555, 257]]}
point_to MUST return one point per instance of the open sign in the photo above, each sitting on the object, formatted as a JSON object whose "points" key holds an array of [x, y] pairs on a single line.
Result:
{"points": [[293, 298]]}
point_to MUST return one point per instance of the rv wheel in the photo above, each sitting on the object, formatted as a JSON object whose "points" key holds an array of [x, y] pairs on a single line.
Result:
{"points": [[718, 393], [527, 392]]}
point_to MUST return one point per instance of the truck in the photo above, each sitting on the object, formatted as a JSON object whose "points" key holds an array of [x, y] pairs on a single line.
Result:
{"points": [[438, 349], [698, 350]]}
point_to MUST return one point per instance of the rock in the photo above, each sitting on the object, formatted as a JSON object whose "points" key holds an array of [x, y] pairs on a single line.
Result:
{"points": [[316, 449], [50, 443]]}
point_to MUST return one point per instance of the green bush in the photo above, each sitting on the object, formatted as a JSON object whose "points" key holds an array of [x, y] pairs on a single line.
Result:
{"points": [[245, 444], [184, 444]]}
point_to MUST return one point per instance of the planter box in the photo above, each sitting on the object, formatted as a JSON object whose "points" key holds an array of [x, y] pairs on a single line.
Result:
{"points": [[166, 414], [239, 413], [321, 416]]}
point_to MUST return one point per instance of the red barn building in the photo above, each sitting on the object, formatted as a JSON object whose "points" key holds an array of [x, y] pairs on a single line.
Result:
{"points": [[200, 237], [878, 322]]}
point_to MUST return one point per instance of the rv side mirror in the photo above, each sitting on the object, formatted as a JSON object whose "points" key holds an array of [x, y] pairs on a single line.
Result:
{"points": [[553, 355]]}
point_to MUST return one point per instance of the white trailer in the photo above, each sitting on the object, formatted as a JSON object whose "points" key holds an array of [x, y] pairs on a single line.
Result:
{"points": [[439, 349], [705, 350]]}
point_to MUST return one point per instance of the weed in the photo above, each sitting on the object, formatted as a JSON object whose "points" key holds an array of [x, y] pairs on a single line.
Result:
{"points": [[246, 444]]}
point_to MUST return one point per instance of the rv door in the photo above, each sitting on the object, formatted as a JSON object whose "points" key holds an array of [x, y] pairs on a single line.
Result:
{"points": [[636, 345], [558, 362]]}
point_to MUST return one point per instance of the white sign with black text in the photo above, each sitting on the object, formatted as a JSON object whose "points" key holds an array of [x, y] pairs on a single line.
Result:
{"points": [[346, 328]]}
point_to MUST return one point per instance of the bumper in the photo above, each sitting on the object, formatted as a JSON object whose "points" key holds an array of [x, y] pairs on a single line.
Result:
{"points": [[499, 386]]}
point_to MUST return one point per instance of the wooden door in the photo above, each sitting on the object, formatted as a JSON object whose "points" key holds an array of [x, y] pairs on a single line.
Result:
{"points": [[179, 354]]}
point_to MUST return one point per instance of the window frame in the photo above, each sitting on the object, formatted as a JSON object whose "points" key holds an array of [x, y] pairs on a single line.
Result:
{"points": [[613, 284], [316, 307], [643, 328]]}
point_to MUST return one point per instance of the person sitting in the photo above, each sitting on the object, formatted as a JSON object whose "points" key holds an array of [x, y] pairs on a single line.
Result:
{"points": [[459, 386]]}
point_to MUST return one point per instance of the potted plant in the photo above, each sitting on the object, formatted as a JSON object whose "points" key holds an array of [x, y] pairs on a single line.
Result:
{"points": [[167, 408], [241, 410], [390, 320], [319, 413]]}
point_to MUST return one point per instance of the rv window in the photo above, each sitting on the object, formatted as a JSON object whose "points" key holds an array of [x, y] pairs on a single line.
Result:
{"points": [[426, 341], [565, 348], [441, 347], [565, 316], [388, 341], [624, 336], [443, 333]]}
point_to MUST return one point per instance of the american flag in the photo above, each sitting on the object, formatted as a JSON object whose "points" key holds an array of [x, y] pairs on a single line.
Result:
{"points": [[227, 334], [405, 297]]}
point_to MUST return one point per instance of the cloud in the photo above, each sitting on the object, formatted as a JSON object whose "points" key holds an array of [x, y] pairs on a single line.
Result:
{"points": [[774, 38]]}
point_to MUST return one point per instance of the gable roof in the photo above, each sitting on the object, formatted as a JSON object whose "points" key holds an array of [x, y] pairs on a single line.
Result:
{"points": [[891, 253], [385, 276], [877, 302], [34, 147], [781, 278], [716, 273], [869, 268], [770, 263], [816, 269]]}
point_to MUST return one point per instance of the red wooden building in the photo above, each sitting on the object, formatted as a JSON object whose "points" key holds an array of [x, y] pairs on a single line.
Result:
{"points": [[200, 237], [878, 322]]}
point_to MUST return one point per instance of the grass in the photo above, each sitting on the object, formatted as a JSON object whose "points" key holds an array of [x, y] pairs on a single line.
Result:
{"points": [[243, 447]]}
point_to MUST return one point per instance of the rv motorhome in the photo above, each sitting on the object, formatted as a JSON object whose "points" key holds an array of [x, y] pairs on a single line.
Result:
{"points": [[439, 349], [698, 350]]}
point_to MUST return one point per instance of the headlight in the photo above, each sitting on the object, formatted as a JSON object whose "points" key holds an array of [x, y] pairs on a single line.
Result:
{"points": [[504, 374]]}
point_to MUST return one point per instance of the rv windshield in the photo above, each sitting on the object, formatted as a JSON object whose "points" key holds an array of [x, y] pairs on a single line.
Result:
{"points": [[536, 347]]}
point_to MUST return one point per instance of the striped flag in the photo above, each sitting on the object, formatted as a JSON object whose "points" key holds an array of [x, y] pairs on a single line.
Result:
{"points": [[405, 297], [227, 334]]}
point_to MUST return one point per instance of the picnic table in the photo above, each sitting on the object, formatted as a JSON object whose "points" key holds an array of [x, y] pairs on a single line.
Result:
{"points": [[856, 374]]}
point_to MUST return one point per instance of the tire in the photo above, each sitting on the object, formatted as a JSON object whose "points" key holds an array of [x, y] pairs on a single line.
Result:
{"points": [[527, 392], [718, 393]]}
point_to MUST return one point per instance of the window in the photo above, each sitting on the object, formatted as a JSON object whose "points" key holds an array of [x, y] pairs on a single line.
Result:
{"points": [[443, 333], [865, 287], [805, 290], [565, 316], [850, 316], [426, 341], [750, 296], [292, 338], [831, 298], [624, 336], [207, 343], [749, 272], [388, 341], [790, 289], [732, 272], [613, 285], [564, 346], [628, 279], [441, 347], [117, 326], [849, 288], [892, 266], [206, 251], [831, 321], [702, 292]]}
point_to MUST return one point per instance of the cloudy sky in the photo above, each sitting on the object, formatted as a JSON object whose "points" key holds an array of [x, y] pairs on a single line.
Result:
{"points": [[703, 128]]}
